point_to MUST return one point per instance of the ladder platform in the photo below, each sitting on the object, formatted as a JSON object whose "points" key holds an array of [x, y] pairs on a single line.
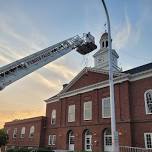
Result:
{"points": [[86, 48]]}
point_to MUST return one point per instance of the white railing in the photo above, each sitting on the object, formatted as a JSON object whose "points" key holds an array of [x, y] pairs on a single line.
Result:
{"points": [[133, 149]]}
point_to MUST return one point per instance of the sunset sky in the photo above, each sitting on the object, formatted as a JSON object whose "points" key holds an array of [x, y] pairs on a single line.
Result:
{"points": [[27, 26]]}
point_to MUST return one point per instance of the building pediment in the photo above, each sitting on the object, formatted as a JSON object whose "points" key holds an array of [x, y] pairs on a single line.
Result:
{"points": [[86, 77]]}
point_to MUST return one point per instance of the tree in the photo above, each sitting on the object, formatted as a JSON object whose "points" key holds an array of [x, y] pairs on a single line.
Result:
{"points": [[3, 138]]}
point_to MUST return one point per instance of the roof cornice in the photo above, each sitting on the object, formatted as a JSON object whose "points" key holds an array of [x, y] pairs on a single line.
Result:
{"points": [[103, 84], [87, 88]]}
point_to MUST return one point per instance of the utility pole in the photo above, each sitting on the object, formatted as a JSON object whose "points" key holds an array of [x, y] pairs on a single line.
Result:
{"points": [[115, 140]]}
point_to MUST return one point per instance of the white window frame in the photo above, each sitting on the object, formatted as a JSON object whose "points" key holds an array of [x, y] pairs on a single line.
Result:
{"points": [[71, 138], [104, 100], [88, 137], [15, 133], [145, 98], [52, 140], [145, 139], [53, 117], [22, 132], [71, 113], [32, 130], [85, 117]]}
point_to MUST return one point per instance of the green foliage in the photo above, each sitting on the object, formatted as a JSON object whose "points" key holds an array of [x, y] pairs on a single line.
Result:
{"points": [[29, 150], [18, 150], [3, 137], [44, 150]]}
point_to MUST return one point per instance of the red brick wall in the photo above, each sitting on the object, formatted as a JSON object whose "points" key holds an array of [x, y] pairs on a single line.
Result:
{"points": [[141, 123], [137, 102], [88, 79], [38, 138], [97, 124]]}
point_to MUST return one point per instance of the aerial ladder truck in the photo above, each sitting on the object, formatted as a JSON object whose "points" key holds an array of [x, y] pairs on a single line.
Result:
{"points": [[22, 67]]}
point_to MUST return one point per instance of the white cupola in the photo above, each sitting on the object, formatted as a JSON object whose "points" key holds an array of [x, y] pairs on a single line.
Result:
{"points": [[101, 56]]}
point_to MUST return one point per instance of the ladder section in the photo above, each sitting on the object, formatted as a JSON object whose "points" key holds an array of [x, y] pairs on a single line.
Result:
{"points": [[20, 68]]}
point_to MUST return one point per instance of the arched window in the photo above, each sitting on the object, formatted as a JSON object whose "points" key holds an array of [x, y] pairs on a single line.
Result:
{"points": [[103, 44], [71, 140], [106, 44], [22, 132], [107, 140], [15, 133], [87, 140], [148, 101], [53, 117], [32, 130]]}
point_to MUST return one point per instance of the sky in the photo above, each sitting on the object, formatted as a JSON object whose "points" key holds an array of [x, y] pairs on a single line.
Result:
{"points": [[27, 26]]}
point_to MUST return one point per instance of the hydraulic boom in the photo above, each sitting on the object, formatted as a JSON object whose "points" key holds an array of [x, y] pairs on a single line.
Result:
{"points": [[20, 68]]}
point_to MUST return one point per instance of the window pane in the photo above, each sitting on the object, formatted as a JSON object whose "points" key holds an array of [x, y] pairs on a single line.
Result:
{"points": [[148, 140], [148, 102], [88, 110], [106, 109], [15, 133], [52, 140], [32, 129], [53, 117], [22, 132], [71, 113]]}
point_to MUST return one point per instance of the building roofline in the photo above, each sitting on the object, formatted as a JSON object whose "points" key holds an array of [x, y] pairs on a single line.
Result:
{"points": [[103, 84], [20, 121], [86, 69], [138, 69]]}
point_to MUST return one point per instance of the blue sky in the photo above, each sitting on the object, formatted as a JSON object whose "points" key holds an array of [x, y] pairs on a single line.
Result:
{"points": [[27, 26]]}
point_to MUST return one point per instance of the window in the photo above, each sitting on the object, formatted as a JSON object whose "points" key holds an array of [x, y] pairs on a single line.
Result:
{"points": [[22, 132], [71, 113], [53, 117], [88, 141], [32, 130], [103, 44], [52, 140], [148, 101], [15, 133], [87, 110], [106, 44], [7, 131], [106, 111], [107, 140], [148, 140], [71, 140]]}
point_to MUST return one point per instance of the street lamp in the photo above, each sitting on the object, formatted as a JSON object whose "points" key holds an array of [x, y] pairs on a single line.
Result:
{"points": [[115, 141]]}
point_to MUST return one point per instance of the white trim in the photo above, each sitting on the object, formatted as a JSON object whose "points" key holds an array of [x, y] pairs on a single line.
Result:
{"points": [[141, 75], [145, 139], [79, 75], [89, 88], [103, 84]]}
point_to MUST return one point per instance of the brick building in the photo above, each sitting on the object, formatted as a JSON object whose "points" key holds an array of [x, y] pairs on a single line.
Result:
{"points": [[78, 117], [26, 133]]}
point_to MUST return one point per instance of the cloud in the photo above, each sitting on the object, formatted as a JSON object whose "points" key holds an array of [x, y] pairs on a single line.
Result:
{"points": [[7, 116], [128, 33], [123, 35], [63, 70]]}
